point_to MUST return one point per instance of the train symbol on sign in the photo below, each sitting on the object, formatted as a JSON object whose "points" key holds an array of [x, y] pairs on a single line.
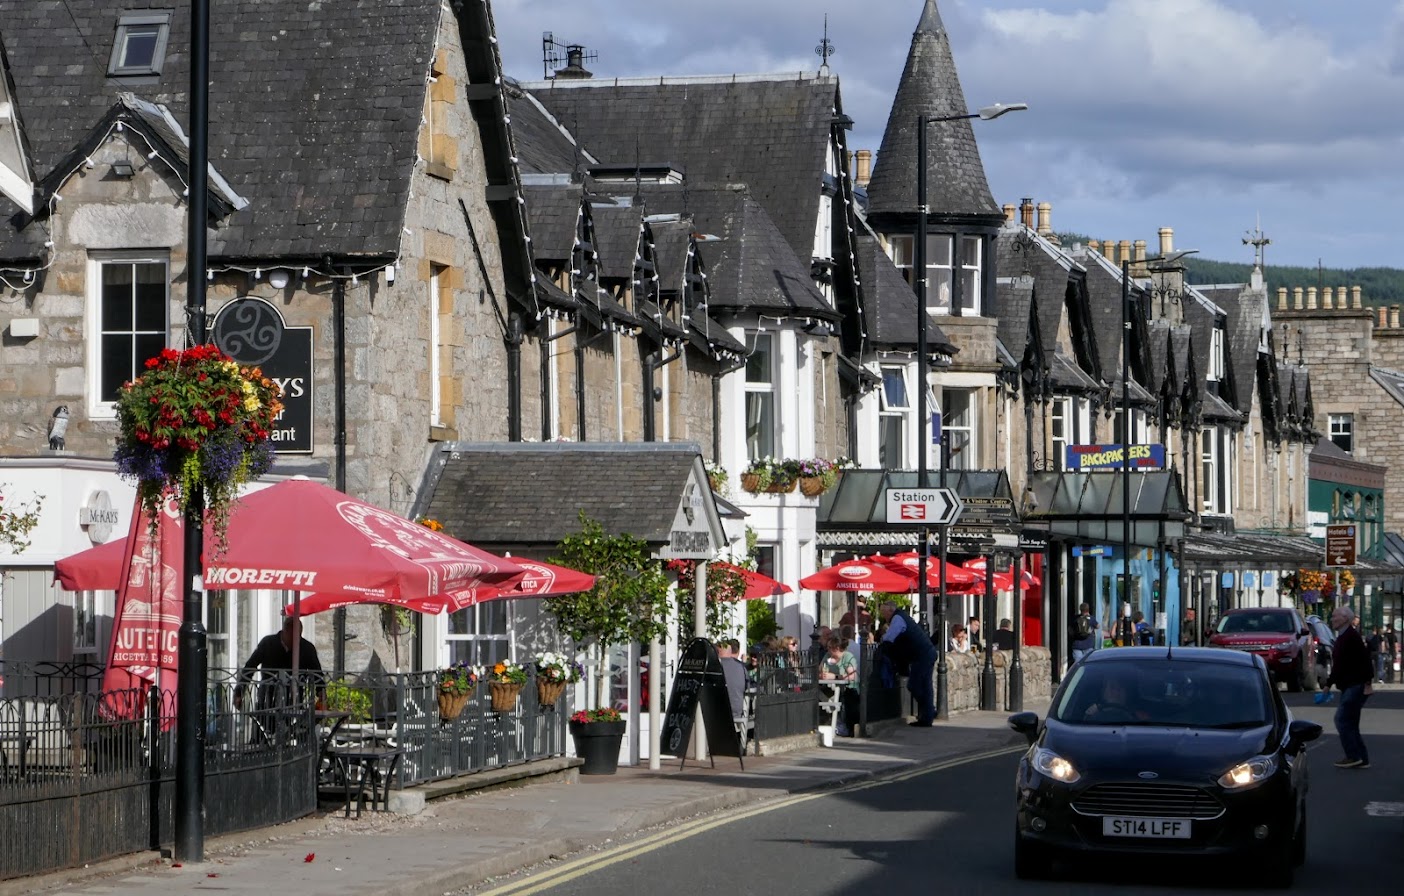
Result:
{"points": [[914, 512]]}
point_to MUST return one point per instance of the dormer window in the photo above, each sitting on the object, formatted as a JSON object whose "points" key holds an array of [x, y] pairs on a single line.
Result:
{"points": [[140, 47]]}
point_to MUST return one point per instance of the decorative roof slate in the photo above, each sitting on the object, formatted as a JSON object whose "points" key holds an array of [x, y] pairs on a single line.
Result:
{"points": [[1244, 309], [1066, 376], [955, 180], [1392, 381], [477, 490], [617, 231], [552, 213], [544, 147], [1103, 284], [316, 124], [1014, 296], [889, 303], [771, 132], [1022, 251]]}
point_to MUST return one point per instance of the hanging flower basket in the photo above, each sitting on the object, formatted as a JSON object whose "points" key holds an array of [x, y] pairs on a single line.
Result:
{"points": [[504, 695], [548, 692], [751, 482], [811, 486], [451, 705], [782, 486], [195, 423]]}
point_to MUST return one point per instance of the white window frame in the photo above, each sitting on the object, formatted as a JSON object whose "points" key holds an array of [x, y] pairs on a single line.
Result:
{"points": [[436, 393], [1343, 426], [763, 388], [970, 296], [969, 457], [87, 609], [483, 647], [1060, 430], [98, 408], [903, 413], [1209, 463], [1216, 355]]}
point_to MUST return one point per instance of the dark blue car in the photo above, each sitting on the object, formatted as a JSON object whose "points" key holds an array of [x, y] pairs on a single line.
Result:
{"points": [[1164, 752]]}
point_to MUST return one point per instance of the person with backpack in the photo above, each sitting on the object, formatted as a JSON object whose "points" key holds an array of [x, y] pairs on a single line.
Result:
{"points": [[1144, 636], [1084, 633]]}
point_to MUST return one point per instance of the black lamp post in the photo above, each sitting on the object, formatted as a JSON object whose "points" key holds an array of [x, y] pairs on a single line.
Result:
{"points": [[192, 649], [988, 699], [1016, 664], [923, 416]]}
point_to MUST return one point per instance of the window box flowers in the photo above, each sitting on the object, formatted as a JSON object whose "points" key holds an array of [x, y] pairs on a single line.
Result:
{"points": [[716, 476], [505, 680], [769, 474], [195, 423], [816, 476], [553, 672], [456, 686]]}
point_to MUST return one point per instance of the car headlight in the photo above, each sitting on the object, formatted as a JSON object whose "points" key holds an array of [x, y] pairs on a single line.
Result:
{"points": [[1246, 774], [1051, 765]]}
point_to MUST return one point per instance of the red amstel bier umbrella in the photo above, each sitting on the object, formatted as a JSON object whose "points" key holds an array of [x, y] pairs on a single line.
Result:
{"points": [[957, 579], [859, 575], [758, 584], [1003, 580]]}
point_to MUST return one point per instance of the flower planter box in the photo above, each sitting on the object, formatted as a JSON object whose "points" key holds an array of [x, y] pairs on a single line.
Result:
{"points": [[504, 695], [598, 744], [451, 705], [811, 486], [548, 692]]}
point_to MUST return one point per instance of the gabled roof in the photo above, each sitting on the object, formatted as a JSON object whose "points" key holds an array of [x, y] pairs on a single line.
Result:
{"points": [[1022, 251], [770, 132], [552, 213], [1103, 285], [617, 231], [1014, 295], [889, 303], [315, 122], [1244, 308], [955, 182], [1392, 381], [544, 146]]}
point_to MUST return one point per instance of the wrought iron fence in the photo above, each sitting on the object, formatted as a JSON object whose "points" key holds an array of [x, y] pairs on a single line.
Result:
{"points": [[787, 694]]}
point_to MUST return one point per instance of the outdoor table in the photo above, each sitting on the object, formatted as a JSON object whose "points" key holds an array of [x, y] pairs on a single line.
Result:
{"points": [[331, 720], [367, 762], [835, 702]]}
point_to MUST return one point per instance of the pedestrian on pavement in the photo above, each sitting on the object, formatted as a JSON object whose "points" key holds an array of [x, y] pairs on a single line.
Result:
{"points": [[911, 646], [1084, 637], [1144, 637], [1376, 644], [737, 679], [1391, 652], [1189, 629], [1351, 674]]}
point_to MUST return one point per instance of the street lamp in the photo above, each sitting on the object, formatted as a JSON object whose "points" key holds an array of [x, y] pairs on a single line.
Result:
{"points": [[1163, 263], [923, 416]]}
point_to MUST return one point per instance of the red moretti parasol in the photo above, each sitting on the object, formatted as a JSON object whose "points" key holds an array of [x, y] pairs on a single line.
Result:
{"points": [[909, 562], [859, 575], [542, 579], [1003, 580], [758, 585], [302, 536]]}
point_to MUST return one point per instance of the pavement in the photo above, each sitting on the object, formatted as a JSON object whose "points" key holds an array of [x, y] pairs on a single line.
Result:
{"points": [[478, 835]]}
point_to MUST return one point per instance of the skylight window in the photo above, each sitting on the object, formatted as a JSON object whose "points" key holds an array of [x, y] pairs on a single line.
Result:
{"points": [[140, 46]]}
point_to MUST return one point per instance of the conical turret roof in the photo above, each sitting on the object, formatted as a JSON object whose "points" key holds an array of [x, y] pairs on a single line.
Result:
{"points": [[955, 180]]}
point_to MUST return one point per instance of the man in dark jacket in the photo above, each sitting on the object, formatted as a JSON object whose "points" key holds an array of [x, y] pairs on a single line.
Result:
{"points": [[910, 645], [1351, 673]]}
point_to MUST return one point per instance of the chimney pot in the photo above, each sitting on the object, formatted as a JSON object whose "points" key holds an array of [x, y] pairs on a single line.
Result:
{"points": [[1167, 240], [1355, 297], [1394, 317], [1026, 212], [1281, 298], [1094, 245], [1296, 298], [1045, 219], [864, 159], [1109, 251], [1311, 298], [1011, 212], [1123, 250], [1328, 298], [1383, 314]]}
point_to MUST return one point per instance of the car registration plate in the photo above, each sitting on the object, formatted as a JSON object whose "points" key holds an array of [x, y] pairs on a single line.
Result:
{"points": [[1151, 828]]}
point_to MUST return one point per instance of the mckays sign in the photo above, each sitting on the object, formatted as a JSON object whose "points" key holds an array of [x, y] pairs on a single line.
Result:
{"points": [[1113, 457]]}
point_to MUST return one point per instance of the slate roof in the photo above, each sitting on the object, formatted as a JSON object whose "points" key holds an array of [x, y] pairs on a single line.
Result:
{"points": [[1015, 297], [1392, 381], [478, 490], [770, 132], [955, 180], [617, 239], [889, 302], [1244, 309], [544, 146], [552, 212], [313, 121], [1103, 284], [1022, 251], [1068, 377], [1199, 317]]}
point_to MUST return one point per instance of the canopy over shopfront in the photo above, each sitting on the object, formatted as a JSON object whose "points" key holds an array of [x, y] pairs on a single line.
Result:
{"points": [[1090, 507], [853, 514]]}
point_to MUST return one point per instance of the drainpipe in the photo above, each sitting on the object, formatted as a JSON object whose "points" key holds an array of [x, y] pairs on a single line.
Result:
{"points": [[514, 378], [650, 364], [339, 380]]}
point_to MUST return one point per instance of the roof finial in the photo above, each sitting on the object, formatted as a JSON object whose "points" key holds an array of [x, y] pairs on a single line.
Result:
{"points": [[1258, 241], [931, 19], [825, 49]]}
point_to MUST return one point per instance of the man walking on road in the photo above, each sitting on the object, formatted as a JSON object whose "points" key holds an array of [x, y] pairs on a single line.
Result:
{"points": [[1351, 672]]}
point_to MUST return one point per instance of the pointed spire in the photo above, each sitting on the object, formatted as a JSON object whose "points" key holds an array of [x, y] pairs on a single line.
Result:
{"points": [[930, 86]]}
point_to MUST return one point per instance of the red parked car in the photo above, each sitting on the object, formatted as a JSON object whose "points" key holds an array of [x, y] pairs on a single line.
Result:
{"points": [[1277, 634]]}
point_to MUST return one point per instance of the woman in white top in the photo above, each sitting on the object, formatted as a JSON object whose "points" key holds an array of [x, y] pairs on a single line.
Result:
{"points": [[960, 639]]}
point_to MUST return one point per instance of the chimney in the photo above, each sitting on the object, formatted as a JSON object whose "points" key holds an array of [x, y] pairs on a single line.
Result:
{"points": [[1109, 251], [1394, 317], [865, 167], [1296, 298], [1123, 251], [1281, 298], [1026, 212], [1167, 240], [1011, 212], [575, 64], [1045, 219], [1328, 298], [1383, 316], [1094, 245], [1311, 298], [1355, 297], [1140, 259]]}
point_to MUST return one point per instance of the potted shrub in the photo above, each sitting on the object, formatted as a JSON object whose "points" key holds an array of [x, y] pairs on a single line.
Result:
{"points": [[355, 702], [553, 672], [505, 679], [597, 734]]}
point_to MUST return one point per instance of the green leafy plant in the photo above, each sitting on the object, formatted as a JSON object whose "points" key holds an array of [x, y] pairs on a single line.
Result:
{"points": [[506, 672], [552, 666], [342, 697], [629, 603], [603, 714], [723, 588], [770, 472], [760, 621], [17, 521], [716, 475], [459, 679]]}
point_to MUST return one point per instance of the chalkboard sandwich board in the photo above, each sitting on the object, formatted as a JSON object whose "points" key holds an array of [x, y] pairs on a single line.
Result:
{"points": [[700, 682]]}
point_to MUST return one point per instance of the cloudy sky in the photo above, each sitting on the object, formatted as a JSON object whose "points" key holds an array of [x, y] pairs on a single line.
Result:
{"points": [[1207, 116]]}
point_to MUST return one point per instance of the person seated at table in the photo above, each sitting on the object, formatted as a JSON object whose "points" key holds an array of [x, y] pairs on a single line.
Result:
{"points": [[960, 639], [1003, 637], [858, 617], [272, 659], [838, 665]]}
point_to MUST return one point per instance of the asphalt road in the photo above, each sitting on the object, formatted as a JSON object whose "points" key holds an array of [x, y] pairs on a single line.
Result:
{"points": [[949, 829]]}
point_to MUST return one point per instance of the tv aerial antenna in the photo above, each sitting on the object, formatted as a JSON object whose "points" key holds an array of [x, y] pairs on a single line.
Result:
{"points": [[556, 55]]}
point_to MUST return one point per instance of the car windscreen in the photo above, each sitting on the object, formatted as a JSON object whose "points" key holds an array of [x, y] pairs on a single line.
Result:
{"points": [[1180, 693], [1243, 623]]}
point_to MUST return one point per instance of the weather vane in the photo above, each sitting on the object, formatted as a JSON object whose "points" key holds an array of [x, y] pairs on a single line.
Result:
{"points": [[826, 47], [1258, 241]]}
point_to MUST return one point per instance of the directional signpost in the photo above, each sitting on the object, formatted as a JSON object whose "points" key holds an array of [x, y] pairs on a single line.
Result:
{"points": [[1340, 544], [923, 506]]}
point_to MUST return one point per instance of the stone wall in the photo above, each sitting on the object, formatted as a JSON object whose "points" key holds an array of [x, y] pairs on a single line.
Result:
{"points": [[965, 670]]}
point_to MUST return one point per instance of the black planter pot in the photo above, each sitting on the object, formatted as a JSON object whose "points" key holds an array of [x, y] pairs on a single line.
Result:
{"points": [[598, 744]]}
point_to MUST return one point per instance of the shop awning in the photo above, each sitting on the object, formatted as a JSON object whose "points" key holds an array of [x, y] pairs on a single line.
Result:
{"points": [[1089, 506], [853, 514], [1264, 550]]}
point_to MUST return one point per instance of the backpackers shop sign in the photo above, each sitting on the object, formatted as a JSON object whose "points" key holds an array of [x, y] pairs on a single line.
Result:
{"points": [[1114, 457], [252, 332]]}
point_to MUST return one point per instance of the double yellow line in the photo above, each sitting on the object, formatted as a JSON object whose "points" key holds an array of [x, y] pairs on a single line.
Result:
{"points": [[570, 870]]}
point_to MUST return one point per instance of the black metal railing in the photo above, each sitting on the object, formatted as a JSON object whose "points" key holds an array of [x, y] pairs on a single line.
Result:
{"points": [[787, 695]]}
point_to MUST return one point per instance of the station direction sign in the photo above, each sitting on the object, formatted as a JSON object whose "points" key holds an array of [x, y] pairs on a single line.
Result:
{"points": [[1340, 544], [923, 506]]}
